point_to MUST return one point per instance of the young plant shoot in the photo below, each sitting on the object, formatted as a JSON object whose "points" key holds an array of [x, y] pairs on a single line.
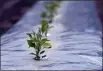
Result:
{"points": [[38, 42]]}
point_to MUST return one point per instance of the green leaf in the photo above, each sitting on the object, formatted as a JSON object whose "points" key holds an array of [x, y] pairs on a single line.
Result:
{"points": [[53, 7], [47, 45], [45, 39], [30, 43], [43, 15], [30, 36], [44, 22], [44, 25], [44, 29]]}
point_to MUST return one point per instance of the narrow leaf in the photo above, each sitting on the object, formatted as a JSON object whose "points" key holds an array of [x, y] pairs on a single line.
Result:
{"points": [[30, 43], [29, 35], [42, 52], [33, 33], [33, 53], [43, 56]]}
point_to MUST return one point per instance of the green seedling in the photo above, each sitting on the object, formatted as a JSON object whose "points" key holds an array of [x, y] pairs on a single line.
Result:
{"points": [[51, 10], [38, 42], [45, 27]]}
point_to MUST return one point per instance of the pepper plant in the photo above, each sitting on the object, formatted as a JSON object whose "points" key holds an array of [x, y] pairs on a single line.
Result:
{"points": [[38, 40]]}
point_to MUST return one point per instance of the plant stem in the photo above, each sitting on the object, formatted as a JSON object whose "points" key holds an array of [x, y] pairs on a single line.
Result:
{"points": [[37, 54]]}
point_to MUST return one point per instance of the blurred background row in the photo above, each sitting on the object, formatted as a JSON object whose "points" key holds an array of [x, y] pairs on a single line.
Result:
{"points": [[12, 10]]}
